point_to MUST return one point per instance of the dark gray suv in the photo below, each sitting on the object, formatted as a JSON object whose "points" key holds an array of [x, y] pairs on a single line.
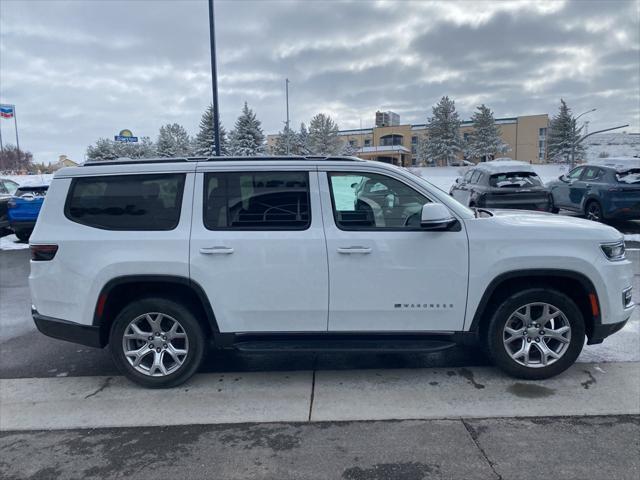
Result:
{"points": [[502, 184]]}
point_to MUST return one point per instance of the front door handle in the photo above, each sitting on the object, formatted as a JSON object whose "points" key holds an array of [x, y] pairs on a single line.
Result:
{"points": [[216, 250], [364, 250]]}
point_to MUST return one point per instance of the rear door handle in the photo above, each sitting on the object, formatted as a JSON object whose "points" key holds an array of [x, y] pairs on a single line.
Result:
{"points": [[354, 250], [216, 250]]}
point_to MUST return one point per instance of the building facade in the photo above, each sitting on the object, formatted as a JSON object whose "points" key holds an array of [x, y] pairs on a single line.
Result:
{"points": [[526, 137]]}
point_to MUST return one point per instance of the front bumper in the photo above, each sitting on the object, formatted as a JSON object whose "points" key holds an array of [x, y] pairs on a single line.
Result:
{"points": [[71, 332], [602, 331]]}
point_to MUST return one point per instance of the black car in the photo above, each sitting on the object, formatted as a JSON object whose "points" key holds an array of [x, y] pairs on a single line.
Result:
{"points": [[601, 190], [502, 184], [7, 190]]}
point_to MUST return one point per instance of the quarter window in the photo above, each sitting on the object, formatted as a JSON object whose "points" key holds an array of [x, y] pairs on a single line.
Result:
{"points": [[257, 201], [126, 202], [368, 201]]}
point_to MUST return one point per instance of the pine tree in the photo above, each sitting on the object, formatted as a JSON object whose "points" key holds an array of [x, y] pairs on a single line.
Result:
{"points": [[173, 141], [104, 149], [247, 138], [562, 135], [301, 141], [422, 152], [485, 140], [204, 144], [323, 136], [348, 149], [444, 144], [285, 143]]}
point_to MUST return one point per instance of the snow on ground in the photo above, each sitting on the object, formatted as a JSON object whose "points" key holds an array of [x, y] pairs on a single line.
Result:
{"points": [[44, 178], [11, 242]]}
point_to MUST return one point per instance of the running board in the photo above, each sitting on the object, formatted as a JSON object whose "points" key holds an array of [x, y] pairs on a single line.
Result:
{"points": [[343, 345]]}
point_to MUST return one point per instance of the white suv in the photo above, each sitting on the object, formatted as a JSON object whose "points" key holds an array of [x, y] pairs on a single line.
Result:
{"points": [[156, 258]]}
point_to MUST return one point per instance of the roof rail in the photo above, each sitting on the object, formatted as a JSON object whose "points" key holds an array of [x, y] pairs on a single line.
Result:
{"points": [[131, 161]]}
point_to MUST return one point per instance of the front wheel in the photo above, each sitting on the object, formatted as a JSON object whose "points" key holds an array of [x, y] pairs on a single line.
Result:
{"points": [[157, 343], [536, 334]]}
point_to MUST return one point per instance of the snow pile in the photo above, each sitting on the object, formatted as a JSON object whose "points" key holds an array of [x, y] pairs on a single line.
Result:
{"points": [[11, 242], [21, 180], [613, 145], [632, 237]]}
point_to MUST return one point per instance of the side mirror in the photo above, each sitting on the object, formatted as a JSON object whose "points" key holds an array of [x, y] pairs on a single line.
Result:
{"points": [[459, 180], [563, 178], [354, 185], [436, 217]]}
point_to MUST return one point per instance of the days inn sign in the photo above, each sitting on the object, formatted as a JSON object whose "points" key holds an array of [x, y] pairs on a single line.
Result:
{"points": [[125, 136]]}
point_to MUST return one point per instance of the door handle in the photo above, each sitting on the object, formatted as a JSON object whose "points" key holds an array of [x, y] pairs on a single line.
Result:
{"points": [[354, 250], [216, 250]]}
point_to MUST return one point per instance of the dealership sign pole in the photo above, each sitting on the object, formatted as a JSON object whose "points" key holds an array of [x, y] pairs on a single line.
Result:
{"points": [[9, 111]]}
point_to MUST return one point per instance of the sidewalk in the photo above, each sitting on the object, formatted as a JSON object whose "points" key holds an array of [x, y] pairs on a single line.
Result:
{"points": [[481, 392]]}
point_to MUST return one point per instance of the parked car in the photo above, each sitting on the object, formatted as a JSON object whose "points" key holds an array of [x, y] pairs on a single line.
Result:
{"points": [[502, 184], [7, 190], [23, 209], [165, 257], [601, 190]]}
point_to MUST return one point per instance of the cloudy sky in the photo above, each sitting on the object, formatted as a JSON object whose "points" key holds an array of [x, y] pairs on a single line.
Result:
{"points": [[82, 69]]}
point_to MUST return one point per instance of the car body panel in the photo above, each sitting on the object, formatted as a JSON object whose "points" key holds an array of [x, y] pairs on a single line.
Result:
{"points": [[284, 281], [24, 207]]}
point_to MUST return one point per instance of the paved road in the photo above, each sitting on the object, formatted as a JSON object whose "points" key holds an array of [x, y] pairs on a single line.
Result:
{"points": [[568, 448]]}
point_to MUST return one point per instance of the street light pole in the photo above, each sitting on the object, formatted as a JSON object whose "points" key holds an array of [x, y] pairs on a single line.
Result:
{"points": [[286, 84], [573, 141], [214, 80]]}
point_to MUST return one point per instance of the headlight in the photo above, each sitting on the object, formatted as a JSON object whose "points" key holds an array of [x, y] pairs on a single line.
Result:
{"points": [[614, 251]]}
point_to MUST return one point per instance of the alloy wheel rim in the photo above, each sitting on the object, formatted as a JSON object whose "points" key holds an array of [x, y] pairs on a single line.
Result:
{"points": [[594, 212], [155, 344], [536, 335]]}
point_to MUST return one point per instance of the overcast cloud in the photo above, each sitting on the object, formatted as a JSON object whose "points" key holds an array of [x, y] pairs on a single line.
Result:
{"points": [[79, 70]]}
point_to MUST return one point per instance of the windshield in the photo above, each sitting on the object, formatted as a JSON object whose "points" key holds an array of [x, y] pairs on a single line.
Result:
{"points": [[630, 176], [515, 180]]}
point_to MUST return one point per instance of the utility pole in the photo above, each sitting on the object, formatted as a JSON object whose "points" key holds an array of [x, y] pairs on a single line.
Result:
{"points": [[214, 80], [287, 131], [575, 143]]}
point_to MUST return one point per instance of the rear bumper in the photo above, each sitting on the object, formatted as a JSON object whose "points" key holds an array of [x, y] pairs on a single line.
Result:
{"points": [[71, 332]]}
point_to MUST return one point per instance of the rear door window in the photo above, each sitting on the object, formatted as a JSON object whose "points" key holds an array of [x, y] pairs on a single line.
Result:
{"points": [[257, 201], [127, 202], [591, 173]]}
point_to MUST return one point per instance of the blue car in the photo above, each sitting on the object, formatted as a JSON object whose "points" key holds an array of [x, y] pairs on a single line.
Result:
{"points": [[23, 209], [608, 189]]}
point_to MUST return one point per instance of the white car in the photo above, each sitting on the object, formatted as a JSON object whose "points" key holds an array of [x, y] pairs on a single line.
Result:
{"points": [[160, 258]]}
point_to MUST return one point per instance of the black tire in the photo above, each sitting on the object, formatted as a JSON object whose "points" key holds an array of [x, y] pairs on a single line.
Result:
{"points": [[498, 351], [593, 211], [194, 332], [23, 235]]}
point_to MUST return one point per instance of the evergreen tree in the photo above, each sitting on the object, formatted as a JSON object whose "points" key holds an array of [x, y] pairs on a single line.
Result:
{"points": [[301, 141], [247, 138], [485, 141], [285, 143], [323, 136], [106, 149], [348, 149], [422, 152], [444, 144], [173, 141], [562, 135], [204, 144]]}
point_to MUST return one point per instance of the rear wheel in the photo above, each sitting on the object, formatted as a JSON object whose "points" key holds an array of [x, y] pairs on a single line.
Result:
{"points": [[593, 211], [536, 334], [157, 343], [23, 235]]}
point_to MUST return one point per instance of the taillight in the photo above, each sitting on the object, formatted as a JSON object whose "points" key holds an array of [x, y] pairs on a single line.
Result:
{"points": [[43, 253]]}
